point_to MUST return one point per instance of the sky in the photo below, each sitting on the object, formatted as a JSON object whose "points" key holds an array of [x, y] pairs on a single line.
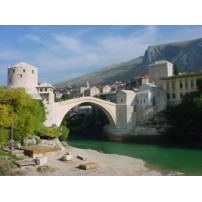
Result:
{"points": [[68, 51]]}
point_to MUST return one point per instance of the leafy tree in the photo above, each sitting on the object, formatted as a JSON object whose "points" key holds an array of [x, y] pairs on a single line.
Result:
{"points": [[17, 108], [4, 136], [185, 118], [65, 97]]}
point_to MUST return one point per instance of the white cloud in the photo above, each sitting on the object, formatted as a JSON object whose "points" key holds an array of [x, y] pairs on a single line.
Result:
{"points": [[9, 54], [75, 52], [69, 43]]}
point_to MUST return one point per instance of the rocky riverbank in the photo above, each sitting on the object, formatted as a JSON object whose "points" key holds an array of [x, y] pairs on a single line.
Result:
{"points": [[107, 165]]}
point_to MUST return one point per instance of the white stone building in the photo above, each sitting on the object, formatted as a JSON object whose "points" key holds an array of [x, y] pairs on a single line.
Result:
{"points": [[23, 75], [150, 99], [106, 89], [93, 91], [26, 76], [159, 69]]}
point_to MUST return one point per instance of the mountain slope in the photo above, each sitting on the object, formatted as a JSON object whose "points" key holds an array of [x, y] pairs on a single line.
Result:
{"points": [[186, 54]]}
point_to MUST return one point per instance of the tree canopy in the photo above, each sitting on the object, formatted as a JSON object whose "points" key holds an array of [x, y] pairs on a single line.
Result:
{"points": [[19, 109], [185, 118]]}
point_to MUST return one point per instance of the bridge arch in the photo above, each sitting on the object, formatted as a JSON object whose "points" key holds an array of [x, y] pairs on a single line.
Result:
{"points": [[63, 107]]}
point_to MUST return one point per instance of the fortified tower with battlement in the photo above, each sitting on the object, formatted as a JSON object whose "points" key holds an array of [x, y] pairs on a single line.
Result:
{"points": [[23, 75]]}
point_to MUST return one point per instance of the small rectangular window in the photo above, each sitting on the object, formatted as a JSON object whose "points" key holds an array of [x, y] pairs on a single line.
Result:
{"points": [[167, 86], [173, 86], [181, 85], [192, 83], [41, 89], [32, 71], [173, 95], [168, 96], [13, 71], [23, 70], [46, 89], [181, 95], [186, 84], [20, 75]]}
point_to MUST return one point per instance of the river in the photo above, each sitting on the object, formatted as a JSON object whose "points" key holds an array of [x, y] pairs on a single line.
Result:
{"points": [[166, 158]]}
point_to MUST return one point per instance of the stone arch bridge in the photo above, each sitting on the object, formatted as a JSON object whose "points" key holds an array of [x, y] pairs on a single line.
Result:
{"points": [[121, 116], [109, 108]]}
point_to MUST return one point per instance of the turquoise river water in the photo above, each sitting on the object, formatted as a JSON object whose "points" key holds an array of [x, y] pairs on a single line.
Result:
{"points": [[165, 158]]}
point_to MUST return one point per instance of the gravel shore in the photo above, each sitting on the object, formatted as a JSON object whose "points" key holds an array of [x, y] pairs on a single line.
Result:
{"points": [[108, 165]]}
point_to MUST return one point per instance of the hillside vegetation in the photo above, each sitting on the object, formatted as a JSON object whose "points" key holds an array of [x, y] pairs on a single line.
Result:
{"points": [[187, 55]]}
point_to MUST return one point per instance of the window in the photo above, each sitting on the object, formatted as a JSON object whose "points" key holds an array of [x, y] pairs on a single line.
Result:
{"points": [[167, 86], [9, 81], [168, 96], [20, 75], [181, 95], [46, 89], [23, 70], [186, 84], [32, 71], [192, 83], [181, 85], [134, 108], [173, 86], [41, 89], [173, 95], [13, 71], [121, 100]]}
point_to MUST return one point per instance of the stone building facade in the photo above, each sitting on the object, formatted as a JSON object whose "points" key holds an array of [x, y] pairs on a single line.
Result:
{"points": [[177, 86], [93, 91], [159, 69], [23, 75]]}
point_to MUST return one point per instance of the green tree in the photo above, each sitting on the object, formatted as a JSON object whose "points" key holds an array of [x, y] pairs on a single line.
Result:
{"points": [[185, 118], [65, 97], [17, 108], [4, 136]]}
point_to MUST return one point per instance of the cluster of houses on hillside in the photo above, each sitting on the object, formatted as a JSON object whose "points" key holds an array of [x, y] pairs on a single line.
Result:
{"points": [[159, 84], [159, 80], [137, 100]]}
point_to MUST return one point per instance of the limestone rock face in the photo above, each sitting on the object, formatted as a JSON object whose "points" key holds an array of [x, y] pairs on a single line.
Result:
{"points": [[186, 54]]}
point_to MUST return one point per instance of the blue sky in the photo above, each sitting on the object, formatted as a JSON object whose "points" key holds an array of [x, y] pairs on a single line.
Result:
{"points": [[65, 52]]}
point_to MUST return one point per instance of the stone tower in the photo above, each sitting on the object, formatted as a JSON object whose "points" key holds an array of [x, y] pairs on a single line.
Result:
{"points": [[45, 91], [159, 69], [23, 75]]}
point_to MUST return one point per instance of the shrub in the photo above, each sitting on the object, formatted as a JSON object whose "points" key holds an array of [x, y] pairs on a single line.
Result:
{"points": [[65, 133]]}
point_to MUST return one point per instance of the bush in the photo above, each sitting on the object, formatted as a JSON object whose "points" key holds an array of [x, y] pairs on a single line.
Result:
{"points": [[4, 136], [49, 132], [65, 133]]}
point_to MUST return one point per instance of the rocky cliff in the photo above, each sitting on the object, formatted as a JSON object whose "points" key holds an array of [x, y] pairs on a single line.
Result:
{"points": [[187, 55]]}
